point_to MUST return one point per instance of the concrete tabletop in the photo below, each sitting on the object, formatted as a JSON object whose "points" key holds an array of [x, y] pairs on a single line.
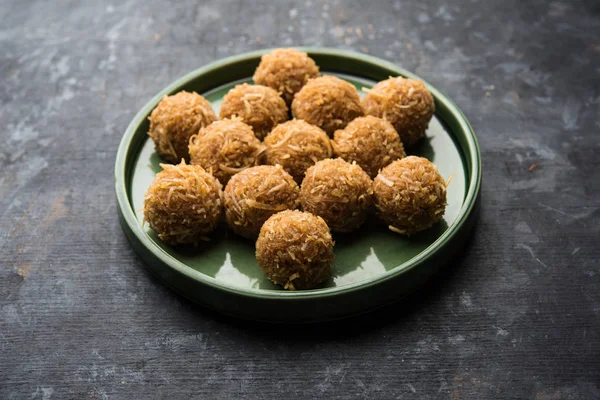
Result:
{"points": [[516, 316]]}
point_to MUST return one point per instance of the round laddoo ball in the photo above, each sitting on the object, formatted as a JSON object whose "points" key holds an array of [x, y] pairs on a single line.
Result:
{"points": [[339, 192], [255, 194], [183, 204], [371, 142], [406, 103], [175, 120], [225, 148], [295, 250], [410, 195], [327, 102], [296, 145], [258, 106], [286, 71]]}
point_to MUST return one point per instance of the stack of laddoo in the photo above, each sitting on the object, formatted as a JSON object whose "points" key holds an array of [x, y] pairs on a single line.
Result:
{"points": [[288, 160]]}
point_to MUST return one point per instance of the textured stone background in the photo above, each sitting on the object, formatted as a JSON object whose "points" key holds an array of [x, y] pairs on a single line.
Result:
{"points": [[518, 316]]}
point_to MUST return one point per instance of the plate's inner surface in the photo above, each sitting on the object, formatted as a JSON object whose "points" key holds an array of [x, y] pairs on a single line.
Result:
{"points": [[360, 255]]}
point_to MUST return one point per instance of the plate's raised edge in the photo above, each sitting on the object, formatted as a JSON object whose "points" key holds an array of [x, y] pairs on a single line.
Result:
{"points": [[472, 154]]}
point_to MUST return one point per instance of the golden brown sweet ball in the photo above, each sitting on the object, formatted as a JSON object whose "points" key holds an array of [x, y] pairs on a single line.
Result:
{"points": [[183, 204], [175, 120], [327, 102], [406, 103], [225, 148], [255, 194], [259, 106], [295, 250], [286, 71], [369, 141], [296, 145], [410, 195], [339, 192]]}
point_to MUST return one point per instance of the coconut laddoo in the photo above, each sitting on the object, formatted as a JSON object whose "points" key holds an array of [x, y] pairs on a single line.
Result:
{"points": [[286, 71], [371, 142], [327, 102], [175, 120], [295, 250], [225, 148], [258, 106], [183, 204], [406, 103], [410, 195], [255, 194], [296, 145], [339, 192]]}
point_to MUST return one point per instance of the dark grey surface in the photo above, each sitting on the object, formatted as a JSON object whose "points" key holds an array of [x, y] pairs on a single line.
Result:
{"points": [[517, 316]]}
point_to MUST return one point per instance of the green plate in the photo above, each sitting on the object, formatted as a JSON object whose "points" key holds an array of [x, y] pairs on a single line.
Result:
{"points": [[373, 267]]}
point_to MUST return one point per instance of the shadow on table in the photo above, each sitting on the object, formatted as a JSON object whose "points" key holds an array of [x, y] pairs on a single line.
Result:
{"points": [[439, 285]]}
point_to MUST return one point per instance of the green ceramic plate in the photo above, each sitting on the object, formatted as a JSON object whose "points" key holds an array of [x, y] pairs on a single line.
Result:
{"points": [[372, 267]]}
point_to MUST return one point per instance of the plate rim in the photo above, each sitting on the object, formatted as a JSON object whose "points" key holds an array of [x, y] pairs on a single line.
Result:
{"points": [[473, 157]]}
